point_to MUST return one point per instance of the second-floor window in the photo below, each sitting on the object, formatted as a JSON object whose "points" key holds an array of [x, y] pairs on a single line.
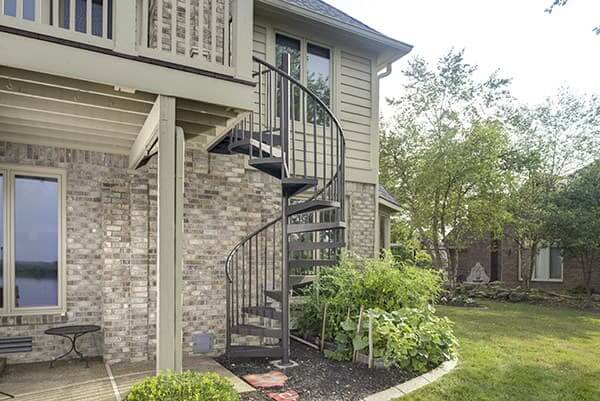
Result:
{"points": [[311, 65], [64, 9]]}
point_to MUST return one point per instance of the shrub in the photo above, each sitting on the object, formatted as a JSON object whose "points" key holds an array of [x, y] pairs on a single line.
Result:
{"points": [[187, 386], [415, 340], [370, 283]]}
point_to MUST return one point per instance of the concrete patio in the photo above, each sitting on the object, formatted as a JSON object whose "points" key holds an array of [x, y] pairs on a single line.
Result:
{"points": [[70, 380]]}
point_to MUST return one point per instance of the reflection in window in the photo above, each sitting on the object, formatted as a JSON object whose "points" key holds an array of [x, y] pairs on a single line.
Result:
{"points": [[10, 7], [1, 241], [36, 241], [318, 79], [29, 10], [81, 15], [289, 45]]}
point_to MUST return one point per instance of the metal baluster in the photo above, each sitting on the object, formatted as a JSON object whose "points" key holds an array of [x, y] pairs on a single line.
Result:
{"points": [[243, 282], [324, 158], [304, 130], [270, 110], [237, 287], [257, 268], [260, 129], [315, 147], [250, 272], [331, 155], [293, 118]]}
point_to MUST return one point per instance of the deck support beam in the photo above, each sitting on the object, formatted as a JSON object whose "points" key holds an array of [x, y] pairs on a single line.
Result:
{"points": [[171, 155]]}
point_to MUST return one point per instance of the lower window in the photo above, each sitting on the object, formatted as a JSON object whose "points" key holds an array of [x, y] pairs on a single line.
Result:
{"points": [[548, 264], [32, 202]]}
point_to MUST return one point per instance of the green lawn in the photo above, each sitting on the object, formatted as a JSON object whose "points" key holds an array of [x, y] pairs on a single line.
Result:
{"points": [[521, 353]]}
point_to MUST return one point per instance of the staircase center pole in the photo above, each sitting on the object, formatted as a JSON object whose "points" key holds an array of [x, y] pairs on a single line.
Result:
{"points": [[285, 300]]}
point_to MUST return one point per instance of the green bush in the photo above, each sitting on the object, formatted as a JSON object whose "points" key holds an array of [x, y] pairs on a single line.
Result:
{"points": [[186, 386], [370, 283], [415, 340]]}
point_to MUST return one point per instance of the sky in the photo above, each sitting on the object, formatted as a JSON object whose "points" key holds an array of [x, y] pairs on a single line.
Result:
{"points": [[541, 52]]}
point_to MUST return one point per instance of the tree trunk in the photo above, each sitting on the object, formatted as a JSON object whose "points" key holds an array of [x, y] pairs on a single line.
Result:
{"points": [[531, 271]]}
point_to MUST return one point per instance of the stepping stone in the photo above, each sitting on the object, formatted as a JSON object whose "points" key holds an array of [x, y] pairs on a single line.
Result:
{"points": [[267, 380], [289, 395]]}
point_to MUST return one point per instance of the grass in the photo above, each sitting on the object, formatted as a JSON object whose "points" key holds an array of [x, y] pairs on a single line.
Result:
{"points": [[520, 352]]}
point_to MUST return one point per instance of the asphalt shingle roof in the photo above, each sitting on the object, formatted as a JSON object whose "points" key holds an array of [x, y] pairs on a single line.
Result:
{"points": [[321, 7], [384, 194]]}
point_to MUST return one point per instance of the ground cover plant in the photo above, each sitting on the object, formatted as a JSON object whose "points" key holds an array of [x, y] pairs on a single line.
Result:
{"points": [[186, 386]]}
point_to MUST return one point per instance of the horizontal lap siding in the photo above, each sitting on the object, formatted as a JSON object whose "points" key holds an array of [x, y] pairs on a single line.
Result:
{"points": [[356, 109]]}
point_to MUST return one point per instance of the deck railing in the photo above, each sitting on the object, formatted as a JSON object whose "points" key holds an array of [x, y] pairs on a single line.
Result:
{"points": [[212, 35]]}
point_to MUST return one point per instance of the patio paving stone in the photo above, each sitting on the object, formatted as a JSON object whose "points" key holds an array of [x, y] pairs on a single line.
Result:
{"points": [[266, 380]]}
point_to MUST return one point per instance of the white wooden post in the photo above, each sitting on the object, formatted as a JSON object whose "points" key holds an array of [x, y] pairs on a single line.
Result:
{"points": [[243, 28], [171, 147], [125, 26]]}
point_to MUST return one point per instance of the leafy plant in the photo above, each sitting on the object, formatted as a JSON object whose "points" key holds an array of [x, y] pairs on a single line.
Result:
{"points": [[371, 283], [186, 386], [413, 339]]}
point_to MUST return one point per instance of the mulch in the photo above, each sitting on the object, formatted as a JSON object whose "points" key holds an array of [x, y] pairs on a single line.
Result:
{"points": [[317, 378]]}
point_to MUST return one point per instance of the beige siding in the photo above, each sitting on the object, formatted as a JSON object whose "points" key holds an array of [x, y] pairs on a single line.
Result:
{"points": [[356, 110], [260, 42]]}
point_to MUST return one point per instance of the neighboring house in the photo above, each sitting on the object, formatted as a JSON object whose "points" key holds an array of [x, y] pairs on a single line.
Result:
{"points": [[146, 161], [388, 205], [500, 259]]}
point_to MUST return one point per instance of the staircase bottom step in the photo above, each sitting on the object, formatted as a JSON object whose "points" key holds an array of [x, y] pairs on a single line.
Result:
{"points": [[247, 351]]}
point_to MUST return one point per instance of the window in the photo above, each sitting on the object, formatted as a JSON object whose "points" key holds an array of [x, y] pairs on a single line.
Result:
{"points": [[314, 72], [31, 202], [548, 264]]}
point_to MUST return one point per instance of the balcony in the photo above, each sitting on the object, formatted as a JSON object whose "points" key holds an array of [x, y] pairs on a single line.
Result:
{"points": [[210, 38]]}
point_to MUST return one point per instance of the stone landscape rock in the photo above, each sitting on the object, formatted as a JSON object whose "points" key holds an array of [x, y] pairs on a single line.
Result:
{"points": [[518, 297]]}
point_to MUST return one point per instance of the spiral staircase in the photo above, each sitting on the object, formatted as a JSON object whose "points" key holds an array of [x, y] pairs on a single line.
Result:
{"points": [[293, 136]]}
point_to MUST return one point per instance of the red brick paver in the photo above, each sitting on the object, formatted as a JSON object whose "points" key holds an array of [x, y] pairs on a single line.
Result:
{"points": [[267, 380], [289, 395]]}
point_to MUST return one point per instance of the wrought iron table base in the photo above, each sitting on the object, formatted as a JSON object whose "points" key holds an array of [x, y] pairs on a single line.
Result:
{"points": [[73, 340]]}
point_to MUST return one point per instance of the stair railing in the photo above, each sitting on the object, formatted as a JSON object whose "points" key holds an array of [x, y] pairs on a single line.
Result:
{"points": [[292, 123]]}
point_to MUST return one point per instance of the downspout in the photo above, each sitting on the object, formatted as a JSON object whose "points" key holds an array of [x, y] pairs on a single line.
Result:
{"points": [[386, 73]]}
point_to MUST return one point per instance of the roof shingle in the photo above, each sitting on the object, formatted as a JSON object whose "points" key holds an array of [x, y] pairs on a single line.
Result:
{"points": [[321, 7], [384, 194]]}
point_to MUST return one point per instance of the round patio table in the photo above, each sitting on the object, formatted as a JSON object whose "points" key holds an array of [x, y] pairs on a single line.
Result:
{"points": [[72, 333]]}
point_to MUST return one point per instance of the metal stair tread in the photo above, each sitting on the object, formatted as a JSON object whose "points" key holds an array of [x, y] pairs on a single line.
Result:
{"points": [[268, 165], [312, 206], [254, 351], [309, 227], [304, 263], [253, 330], [298, 246], [264, 311], [295, 185]]}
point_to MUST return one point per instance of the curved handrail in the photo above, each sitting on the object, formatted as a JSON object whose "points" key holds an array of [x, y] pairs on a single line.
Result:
{"points": [[304, 89], [340, 166]]}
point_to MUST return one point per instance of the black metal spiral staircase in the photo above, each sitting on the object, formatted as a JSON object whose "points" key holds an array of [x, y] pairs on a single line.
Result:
{"points": [[293, 136]]}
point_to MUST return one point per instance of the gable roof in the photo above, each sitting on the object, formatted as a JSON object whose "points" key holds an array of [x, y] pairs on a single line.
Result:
{"points": [[321, 7], [388, 197], [320, 11]]}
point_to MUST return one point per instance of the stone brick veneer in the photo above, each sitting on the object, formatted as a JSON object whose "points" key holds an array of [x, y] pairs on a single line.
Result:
{"points": [[111, 245]]}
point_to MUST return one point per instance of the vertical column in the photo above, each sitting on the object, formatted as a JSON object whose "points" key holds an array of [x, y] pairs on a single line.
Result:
{"points": [[285, 292], [170, 239], [124, 26], [243, 28]]}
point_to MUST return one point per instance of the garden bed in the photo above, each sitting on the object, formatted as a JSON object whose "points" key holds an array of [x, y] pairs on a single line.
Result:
{"points": [[317, 378]]}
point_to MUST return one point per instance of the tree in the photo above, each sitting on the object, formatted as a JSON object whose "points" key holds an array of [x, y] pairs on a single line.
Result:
{"points": [[575, 222], [443, 154], [551, 141], [561, 3]]}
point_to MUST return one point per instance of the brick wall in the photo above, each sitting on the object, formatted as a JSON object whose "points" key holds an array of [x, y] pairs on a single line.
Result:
{"points": [[111, 245], [361, 204]]}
